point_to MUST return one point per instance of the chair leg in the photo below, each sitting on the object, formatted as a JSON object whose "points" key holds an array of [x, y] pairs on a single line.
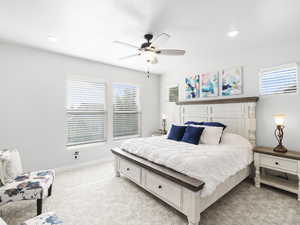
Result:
{"points": [[39, 204], [50, 191]]}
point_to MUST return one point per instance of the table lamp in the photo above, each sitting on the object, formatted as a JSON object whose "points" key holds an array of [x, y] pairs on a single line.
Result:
{"points": [[164, 123], [279, 121]]}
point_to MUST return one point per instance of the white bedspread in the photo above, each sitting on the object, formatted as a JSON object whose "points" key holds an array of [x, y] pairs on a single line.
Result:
{"points": [[212, 164]]}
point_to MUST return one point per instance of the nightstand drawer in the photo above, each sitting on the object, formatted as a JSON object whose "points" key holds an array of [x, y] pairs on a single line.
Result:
{"points": [[279, 163]]}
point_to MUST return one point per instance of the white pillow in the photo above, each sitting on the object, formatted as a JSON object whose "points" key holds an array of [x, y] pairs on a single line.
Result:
{"points": [[211, 135], [236, 140], [10, 166]]}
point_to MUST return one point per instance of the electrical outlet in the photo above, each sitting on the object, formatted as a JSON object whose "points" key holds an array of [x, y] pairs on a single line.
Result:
{"points": [[76, 155]]}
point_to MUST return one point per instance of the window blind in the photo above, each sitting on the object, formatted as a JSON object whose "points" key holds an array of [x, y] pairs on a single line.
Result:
{"points": [[173, 94], [85, 112], [125, 110], [279, 80]]}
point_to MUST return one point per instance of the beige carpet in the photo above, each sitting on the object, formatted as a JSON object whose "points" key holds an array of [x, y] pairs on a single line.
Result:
{"points": [[93, 196]]}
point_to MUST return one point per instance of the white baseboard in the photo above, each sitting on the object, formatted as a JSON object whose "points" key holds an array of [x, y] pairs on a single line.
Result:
{"points": [[82, 165]]}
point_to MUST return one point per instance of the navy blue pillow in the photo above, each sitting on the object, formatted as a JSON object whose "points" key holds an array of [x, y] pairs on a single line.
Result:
{"points": [[176, 132], [193, 122], [209, 124], [192, 135], [214, 124]]}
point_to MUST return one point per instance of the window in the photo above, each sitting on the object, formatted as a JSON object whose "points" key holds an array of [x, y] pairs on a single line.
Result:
{"points": [[85, 112], [173, 94], [125, 110], [279, 80]]}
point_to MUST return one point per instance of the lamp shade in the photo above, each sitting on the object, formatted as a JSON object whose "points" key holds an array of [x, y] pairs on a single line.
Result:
{"points": [[279, 119], [163, 116]]}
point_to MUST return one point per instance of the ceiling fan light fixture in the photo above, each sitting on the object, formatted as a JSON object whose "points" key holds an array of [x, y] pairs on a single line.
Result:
{"points": [[150, 57], [233, 33], [153, 61], [52, 39], [149, 49]]}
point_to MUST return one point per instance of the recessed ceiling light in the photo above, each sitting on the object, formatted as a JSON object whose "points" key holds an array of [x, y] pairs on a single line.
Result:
{"points": [[52, 38], [233, 33]]}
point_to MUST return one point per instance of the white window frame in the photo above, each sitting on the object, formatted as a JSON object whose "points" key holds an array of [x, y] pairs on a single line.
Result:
{"points": [[262, 71], [105, 112], [139, 111]]}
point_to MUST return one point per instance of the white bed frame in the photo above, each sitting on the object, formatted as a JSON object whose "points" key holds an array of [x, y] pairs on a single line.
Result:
{"points": [[240, 119]]}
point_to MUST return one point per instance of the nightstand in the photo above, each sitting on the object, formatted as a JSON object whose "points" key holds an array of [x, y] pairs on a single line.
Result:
{"points": [[289, 162], [158, 133]]}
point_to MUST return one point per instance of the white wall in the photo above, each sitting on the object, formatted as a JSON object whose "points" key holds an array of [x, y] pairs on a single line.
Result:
{"points": [[252, 61], [32, 97]]}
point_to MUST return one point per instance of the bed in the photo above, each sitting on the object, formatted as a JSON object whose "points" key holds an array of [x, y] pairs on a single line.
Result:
{"points": [[189, 177]]}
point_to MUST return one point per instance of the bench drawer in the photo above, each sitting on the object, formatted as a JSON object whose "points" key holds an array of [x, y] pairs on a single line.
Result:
{"points": [[166, 189], [130, 170], [279, 163]]}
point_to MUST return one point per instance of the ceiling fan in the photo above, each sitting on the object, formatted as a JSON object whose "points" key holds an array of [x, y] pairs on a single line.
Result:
{"points": [[150, 49]]}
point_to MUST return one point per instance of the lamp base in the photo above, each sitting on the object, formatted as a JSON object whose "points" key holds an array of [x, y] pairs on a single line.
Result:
{"points": [[162, 131], [280, 148]]}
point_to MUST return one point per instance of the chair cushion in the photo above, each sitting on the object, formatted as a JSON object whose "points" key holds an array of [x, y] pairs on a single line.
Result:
{"points": [[27, 186], [49, 218], [2, 222], [10, 165]]}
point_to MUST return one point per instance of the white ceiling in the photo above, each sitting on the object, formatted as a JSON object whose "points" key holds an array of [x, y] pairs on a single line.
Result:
{"points": [[88, 28]]}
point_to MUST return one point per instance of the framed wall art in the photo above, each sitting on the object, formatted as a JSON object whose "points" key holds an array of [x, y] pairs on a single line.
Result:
{"points": [[232, 81]]}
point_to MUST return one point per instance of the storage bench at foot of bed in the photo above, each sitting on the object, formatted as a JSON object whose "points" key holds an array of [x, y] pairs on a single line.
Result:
{"points": [[179, 191]]}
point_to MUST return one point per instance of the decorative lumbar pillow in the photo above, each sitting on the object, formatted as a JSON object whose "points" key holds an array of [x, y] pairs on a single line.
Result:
{"points": [[176, 132], [10, 165], [192, 135]]}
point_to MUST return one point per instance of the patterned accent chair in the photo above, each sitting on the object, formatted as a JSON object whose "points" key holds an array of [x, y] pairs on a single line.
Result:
{"points": [[2, 222], [29, 186], [49, 218]]}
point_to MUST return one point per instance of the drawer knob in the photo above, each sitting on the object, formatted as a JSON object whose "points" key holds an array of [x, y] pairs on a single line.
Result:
{"points": [[277, 163], [159, 187], [128, 169]]}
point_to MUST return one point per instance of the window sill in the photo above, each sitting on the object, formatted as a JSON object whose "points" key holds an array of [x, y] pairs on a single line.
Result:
{"points": [[126, 137], [86, 146], [279, 94]]}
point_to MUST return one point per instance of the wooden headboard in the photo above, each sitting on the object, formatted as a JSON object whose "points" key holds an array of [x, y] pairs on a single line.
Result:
{"points": [[237, 113]]}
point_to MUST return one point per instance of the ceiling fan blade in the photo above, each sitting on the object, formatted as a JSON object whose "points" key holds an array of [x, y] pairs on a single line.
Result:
{"points": [[170, 52], [130, 56], [160, 39], [126, 44]]}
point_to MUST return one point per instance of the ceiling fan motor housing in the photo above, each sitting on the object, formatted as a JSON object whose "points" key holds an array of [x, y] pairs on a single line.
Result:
{"points": [[148, 37], [147, 44]]}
